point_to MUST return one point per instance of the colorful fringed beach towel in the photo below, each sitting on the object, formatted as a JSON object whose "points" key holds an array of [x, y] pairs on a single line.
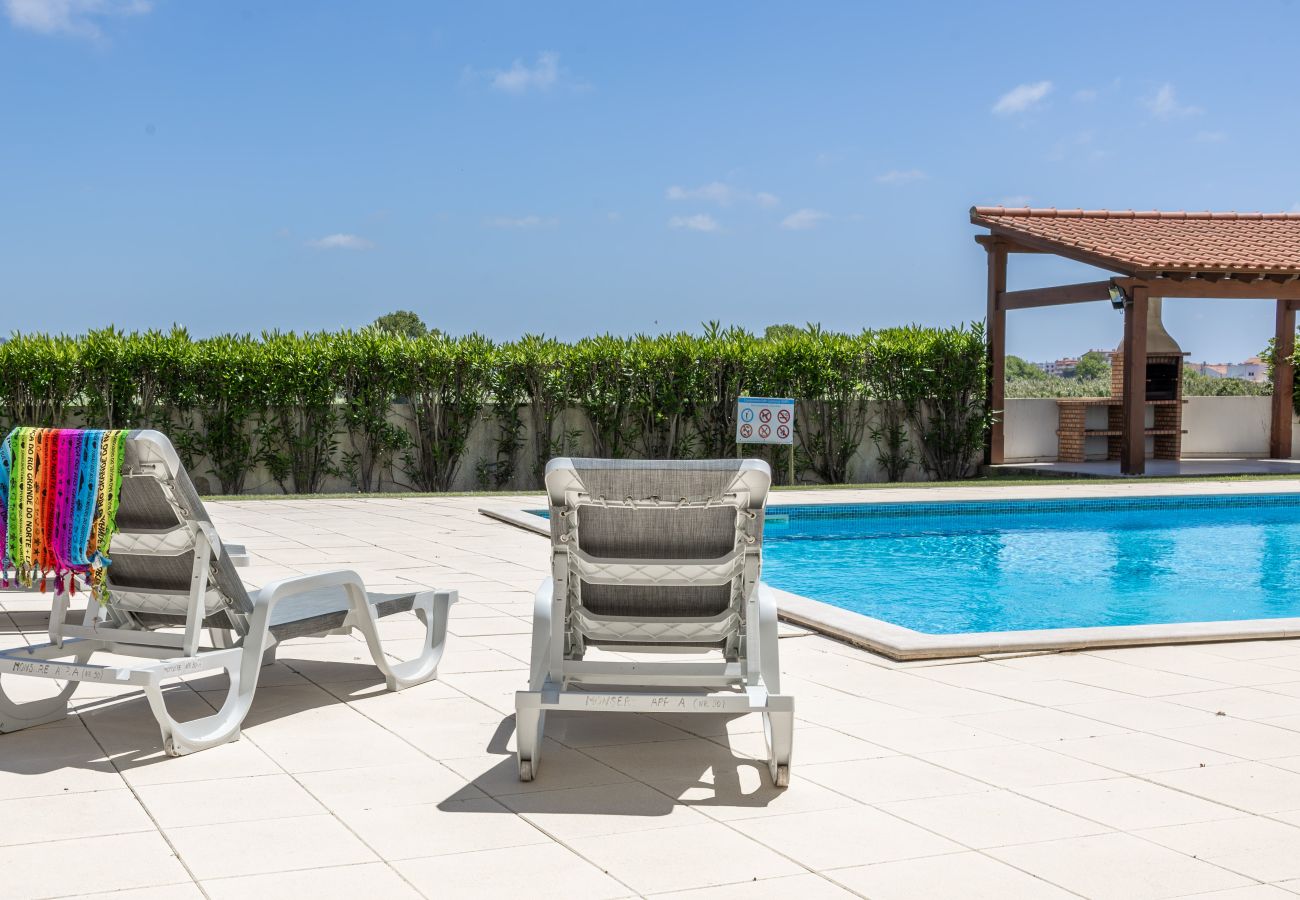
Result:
{"points": [[59, 491]]}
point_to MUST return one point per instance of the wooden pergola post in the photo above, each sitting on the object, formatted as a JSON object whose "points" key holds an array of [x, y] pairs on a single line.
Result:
{"points": [[1279, 443], [996, 327], [1133, 446]]}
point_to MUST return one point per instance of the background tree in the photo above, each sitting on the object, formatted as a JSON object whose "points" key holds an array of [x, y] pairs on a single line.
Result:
{"points": [[402, 322], [780, 332], [1018, 368]]}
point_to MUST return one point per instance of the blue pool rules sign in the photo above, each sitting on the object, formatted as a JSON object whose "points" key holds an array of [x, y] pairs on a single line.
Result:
{"points": [[765, 420]]}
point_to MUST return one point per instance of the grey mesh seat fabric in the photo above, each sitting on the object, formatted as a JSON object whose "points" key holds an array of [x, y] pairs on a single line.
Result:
{"points": [[656, 557], [170, 582]]}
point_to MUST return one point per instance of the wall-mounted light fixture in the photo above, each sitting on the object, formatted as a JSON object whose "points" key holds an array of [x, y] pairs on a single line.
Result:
{"points": [[1117, 296]]}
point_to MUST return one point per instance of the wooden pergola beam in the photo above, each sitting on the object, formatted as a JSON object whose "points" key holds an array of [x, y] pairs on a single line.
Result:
{"points": [[1055, 296], [1012, 246], [1215, 286], [1279, 440], [996, 325], [1133, 442], [1033, 244]]}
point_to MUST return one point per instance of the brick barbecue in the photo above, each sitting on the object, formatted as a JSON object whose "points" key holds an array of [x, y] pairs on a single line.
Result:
{"points": [[1164, 396]]}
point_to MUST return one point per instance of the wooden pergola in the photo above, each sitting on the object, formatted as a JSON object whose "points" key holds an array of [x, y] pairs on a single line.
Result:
{"points": [[1234, 256]]}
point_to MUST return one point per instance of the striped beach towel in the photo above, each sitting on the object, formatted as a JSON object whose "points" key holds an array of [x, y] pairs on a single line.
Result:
{"points": [[59, 491]]}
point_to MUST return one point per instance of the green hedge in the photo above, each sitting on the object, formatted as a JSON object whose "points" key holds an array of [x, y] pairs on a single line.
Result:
{"points": [[311, 406]]}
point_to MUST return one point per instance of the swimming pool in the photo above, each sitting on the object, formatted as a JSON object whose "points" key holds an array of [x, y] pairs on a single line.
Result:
{"points": [[963, 567]]}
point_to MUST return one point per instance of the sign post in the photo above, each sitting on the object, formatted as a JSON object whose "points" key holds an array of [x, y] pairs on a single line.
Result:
{"points": [[766, 420]]}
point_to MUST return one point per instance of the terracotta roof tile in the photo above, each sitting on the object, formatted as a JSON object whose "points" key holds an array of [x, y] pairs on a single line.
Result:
{"points": [[1152, 241]]}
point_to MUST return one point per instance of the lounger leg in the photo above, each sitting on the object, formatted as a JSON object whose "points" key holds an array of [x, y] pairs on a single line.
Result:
{"points": [[15, 716], [530, 725], [432, 608], [222, 727], [778, 728]]}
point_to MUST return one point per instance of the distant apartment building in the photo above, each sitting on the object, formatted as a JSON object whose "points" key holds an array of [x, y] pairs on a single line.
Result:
{"points": [[1252, 369], [1062, 367]]}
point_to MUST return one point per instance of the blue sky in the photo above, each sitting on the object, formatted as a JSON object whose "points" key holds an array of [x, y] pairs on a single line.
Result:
{"points": [[579, 167]]}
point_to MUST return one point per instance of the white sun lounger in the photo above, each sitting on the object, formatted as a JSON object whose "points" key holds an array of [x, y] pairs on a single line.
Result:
{"points": [[656, 557], [170, 570]]}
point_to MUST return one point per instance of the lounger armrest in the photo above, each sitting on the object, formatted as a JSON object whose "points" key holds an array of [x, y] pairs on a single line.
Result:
{"points": [[276, 591]]}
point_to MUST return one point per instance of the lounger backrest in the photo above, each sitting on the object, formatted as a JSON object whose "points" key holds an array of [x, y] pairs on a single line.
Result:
{"points": [[159, 519], [656, 539]]}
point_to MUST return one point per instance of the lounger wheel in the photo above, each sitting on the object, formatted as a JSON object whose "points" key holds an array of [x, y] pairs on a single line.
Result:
{"points": [[525, 770]]}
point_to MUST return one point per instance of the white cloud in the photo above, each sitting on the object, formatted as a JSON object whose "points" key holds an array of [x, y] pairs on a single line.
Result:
{"points": [[1016, 201], [901, 176], [804, 219], [722, 194], [1164, 104], [1085, 95], [532, 221], [342, 242], [1211, 137], [75, 17], [714, 190], [697, 222], [520, 78], [1021, 98]]}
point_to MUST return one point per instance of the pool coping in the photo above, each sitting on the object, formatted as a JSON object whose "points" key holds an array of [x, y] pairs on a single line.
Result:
{"points": [[899, 643]]}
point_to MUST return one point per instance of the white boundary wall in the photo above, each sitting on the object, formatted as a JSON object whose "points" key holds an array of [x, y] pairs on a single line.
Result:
{"points": [[1217, 428]]}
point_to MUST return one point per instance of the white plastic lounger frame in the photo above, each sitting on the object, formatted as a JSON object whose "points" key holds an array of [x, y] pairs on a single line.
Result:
{"points": [[170, 569], [661, 557]]}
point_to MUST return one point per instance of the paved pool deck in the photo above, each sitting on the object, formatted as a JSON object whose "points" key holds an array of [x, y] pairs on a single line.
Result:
{"points": [[1146, 772]]}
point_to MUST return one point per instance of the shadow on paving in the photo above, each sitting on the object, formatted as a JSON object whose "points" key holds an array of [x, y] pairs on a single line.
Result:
{"points": [[692, 772]]}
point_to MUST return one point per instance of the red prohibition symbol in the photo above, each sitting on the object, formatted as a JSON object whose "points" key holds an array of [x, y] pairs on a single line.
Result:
{"points": [[746, 430], [783, 416], [765, 415], [764, 430], [783, 431]]}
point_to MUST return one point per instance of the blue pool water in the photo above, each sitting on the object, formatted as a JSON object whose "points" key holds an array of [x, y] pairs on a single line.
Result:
{"points": [[948, 568]]}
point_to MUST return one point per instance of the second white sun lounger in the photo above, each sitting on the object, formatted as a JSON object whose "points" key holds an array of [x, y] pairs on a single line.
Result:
{"points": [[656, 557]]}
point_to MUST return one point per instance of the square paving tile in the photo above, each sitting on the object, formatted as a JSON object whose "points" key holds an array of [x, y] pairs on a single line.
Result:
{"points": [[1130, 803], [1119, 866], [1239, 737], [437, 829], [890, 778], [805, 887], [177, 804], [542, 871], [850, 836], [1248, 786], [992, 819], [42, 869], [606, 809], [970, 876], [1019, 765], [686, 857], [1259, 848], [269, 845], [1139, 754], [369, 880]]}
